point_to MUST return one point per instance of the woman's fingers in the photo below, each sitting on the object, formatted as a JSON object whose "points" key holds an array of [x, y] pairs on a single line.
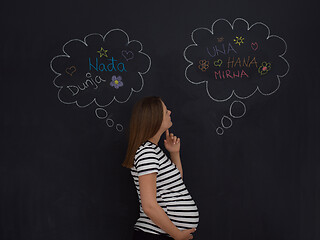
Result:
{"points": [[170, 136]]}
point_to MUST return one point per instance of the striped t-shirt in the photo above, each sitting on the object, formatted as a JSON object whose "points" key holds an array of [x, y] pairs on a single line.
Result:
{"points": [[172, 194]]}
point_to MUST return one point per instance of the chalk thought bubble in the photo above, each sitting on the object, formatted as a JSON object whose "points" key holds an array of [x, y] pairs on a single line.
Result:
{"points": [[100, 69], [235, 59]]}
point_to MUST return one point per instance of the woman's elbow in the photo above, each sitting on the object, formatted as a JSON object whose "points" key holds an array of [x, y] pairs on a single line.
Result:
{"points": [[149, 206]]}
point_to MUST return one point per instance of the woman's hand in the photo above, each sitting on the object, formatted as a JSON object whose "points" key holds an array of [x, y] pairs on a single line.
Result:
{"points": [[172, 143], [186, 234]]}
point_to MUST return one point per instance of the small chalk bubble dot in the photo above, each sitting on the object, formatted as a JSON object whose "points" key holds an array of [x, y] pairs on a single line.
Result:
{"points": [[237, 109], [101, 113], [110, 122], [226, 122], [119, 127], [219, 130]]}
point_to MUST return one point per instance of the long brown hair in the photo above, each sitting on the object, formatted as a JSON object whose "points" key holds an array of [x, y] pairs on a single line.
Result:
{"points": [[146, 119]]}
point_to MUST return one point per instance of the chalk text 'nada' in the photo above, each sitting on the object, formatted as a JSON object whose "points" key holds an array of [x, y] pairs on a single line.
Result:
{"points": [[113, 65]]}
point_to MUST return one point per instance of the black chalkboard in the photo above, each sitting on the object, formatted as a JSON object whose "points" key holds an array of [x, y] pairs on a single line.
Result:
{"points": [[241, 80]]}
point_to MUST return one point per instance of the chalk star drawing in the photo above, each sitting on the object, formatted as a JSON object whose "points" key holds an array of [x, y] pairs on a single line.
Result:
{"points": [[103, 52], [238, 40]]}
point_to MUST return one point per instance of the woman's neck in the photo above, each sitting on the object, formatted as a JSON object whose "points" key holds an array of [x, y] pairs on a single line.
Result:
{"points": [[155, 139]]}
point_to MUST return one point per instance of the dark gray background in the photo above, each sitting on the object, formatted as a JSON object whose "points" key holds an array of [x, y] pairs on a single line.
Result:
{"points": [[60, 172]]}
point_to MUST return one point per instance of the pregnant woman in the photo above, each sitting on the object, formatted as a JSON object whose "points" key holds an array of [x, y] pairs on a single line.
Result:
{"points": [[167, 211]]}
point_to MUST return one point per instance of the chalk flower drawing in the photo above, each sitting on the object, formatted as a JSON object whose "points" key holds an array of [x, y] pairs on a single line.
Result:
{"points": [[238, 40], [203, 65], [116, 82], [264, 68]]}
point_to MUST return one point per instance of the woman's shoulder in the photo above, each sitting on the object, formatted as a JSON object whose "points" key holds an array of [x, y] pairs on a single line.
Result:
{"points": [[147, 147]]}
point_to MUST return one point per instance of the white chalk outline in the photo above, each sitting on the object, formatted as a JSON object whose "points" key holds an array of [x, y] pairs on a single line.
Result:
{"points": [[102, 110], [119, 129], [217, 130], [107, 122], [119, 126], [84, 42], [233, 91], [245, 109], [223, 123]]}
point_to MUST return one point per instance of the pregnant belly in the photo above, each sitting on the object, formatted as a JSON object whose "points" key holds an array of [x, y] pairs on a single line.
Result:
{"points": [[183, 213]]}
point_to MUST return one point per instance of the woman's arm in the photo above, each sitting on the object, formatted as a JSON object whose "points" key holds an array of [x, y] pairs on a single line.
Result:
{"points": [[175, 158], [148, 195]]}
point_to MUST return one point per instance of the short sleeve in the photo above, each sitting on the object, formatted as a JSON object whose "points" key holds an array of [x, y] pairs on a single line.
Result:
{"points": [[146, 161]]}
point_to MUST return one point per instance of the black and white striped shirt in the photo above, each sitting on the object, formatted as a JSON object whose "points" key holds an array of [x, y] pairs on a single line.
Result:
{"points": [[172, 194]]}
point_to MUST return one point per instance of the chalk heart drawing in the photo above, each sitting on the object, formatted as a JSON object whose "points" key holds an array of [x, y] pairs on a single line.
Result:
{"points": [[128, 55], [71, 70], [217, 63], [254, 46]]}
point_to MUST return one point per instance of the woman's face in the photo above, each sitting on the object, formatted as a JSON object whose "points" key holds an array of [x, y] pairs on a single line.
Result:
{"points": [[166, 121]]}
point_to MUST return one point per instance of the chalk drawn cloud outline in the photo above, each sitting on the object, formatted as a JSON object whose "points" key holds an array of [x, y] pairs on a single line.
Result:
{"points": [[233, 92], [114, 99]]}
